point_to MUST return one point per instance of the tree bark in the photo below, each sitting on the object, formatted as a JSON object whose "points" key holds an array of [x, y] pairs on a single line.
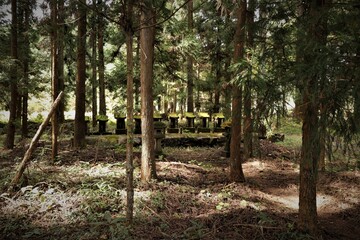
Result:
{"points": [[309, 160], [80, 128], [54, 76], [26, 60], [236, 172], [102, 100], [10, 136], [248, 122], [61, 77], [34, 141], [130, 114], [147, 37], [322, 33], [190, 73], [216, 107], [94, 66], [310, 151], [137, 77], [227, 90]]}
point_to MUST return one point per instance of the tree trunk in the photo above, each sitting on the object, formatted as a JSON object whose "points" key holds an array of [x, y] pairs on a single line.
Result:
{"points": [[147, 37], [309, 160], [190, 73], [175, 101], [227, 91], [34, 141], [322, 33], [236, 172], [54, 77], [130, 114], [216, 108], [137, 77], [26, 60], [93, 67], [248, 129], [356, 96], [310, 151], [10, 136], [247, 121], [357, 100], [80, 128], [61, 77], [102, 100]]}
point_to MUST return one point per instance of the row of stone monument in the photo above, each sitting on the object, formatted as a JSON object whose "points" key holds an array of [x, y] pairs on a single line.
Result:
{"points": [[173, 126]]}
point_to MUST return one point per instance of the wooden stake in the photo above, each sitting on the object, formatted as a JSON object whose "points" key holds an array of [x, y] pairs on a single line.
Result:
{"points": [[34, 141]]}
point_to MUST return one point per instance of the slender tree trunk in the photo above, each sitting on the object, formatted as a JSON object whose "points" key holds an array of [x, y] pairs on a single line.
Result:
{"points": [[93, 67], [147, 37], [25, 94], [216, 108], [284, 111], [20, 97], [356, 96], [323, 122], [130, 114], [248, 88], [190, 73], [80, 128], [54, 76], [217, 66], [137, 77], [175, 101], [61, 77], [102, 100], [10, 136], [227, 77], [322, 136], [236, 172], [227, 91], [34, 141], [20, 44]]}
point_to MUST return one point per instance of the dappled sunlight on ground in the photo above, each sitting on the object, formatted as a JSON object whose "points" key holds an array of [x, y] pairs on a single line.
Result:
{"points": [[292, 201]]}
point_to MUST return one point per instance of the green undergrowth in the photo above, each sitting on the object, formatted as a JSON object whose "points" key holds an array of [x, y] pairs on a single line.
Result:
{"points": [[292, 131]]}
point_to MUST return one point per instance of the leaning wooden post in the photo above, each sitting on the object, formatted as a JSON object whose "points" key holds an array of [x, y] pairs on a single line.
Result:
{"points": [[34, 141]]}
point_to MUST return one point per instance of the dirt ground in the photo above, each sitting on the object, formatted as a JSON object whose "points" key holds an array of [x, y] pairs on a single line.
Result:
{"points": [[83, 196]]}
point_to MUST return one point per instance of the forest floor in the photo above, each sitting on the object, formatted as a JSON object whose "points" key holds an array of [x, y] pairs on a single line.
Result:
{"points": [[82, 196]]}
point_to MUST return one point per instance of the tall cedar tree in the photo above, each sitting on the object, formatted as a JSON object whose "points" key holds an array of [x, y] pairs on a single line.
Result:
{"points": [[236, 172], [60, 65], [190, 72], [147, 38], [93, 64], [217, 62], [247, 86], [217, 67], [310, 151], [10, 136], [101, 67], [54, 76], [324, 111], [26, 62], [128, 28], [79, 133]]}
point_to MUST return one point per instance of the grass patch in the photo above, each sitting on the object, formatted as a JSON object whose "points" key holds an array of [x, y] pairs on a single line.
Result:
{"points": [[293, 134], [292, 141]]}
